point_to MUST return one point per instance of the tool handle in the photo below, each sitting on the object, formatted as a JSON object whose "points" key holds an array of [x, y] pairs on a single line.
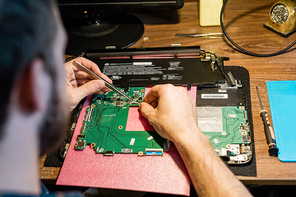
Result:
{"points": [[267, 127], [269, 134]]}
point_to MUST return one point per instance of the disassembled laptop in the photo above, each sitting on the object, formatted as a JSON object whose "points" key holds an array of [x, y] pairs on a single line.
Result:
{"points": [[221, 101]]}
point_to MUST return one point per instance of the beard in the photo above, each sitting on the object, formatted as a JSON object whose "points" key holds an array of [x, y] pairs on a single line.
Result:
{"points": [[52, 131]]}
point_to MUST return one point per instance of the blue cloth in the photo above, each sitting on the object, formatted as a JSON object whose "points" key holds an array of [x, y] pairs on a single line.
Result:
{"points": [[282, 97], [46, 193]]}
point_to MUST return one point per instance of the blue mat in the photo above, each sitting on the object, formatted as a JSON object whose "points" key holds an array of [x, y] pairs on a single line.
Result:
{"points": [[282, 101]]}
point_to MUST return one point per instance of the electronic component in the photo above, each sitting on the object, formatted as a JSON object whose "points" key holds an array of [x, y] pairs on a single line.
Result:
{"points": [[228, 131], [226, 127], [80, 144], [153, 151], [105, 122]]}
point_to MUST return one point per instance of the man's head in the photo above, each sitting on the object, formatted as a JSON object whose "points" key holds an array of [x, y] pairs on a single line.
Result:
{"points": [[30, 33]]}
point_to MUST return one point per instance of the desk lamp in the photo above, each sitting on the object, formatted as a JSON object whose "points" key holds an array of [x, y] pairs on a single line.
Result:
{"points": [[282, 17]]}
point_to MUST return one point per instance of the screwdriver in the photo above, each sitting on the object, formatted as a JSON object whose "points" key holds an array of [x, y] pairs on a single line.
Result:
{"points": [[269, 134]]}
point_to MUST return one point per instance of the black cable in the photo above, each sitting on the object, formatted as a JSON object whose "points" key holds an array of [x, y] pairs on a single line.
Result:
{"points": [[242, 50]]}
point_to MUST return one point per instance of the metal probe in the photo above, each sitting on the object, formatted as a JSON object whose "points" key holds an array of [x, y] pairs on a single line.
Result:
{"points": [[269, 134], [202, 35], [107, 84]]}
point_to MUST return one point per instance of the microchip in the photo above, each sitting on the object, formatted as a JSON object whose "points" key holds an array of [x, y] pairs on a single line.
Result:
{"points": [[246, 138], [80, 136], [80, 144]]}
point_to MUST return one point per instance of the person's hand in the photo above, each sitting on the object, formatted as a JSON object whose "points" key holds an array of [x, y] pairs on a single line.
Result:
{"points": [[79, 84], [171, 111]]}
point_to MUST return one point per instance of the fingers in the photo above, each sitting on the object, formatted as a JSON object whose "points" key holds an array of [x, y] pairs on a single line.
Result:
{"points": [[153, 95], [83, 75], [90, 65], [147, 111], [99, 91], [82, 82], [90, 87], [79, 84], [154, 103]]}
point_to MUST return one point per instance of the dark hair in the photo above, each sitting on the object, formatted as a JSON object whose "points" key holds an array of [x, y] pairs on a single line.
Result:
{"points": [[28, 30]]}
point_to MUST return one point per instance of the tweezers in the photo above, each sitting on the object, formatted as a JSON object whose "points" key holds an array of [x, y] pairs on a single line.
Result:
{"points": [[201, 35], [95, 76]]}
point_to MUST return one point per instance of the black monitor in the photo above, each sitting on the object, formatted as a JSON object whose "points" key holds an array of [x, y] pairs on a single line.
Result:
{"points": [[104, 24]]}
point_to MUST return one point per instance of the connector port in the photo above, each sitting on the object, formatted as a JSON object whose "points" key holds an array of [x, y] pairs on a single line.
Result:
{"points": [[109, 153], [157, 152]]}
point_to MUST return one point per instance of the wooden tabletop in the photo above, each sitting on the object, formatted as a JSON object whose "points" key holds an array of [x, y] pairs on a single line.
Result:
{"points": [[244, 23]]}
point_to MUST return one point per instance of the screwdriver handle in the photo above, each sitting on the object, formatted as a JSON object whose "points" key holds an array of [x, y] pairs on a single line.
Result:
{"points": [[269, 134]]}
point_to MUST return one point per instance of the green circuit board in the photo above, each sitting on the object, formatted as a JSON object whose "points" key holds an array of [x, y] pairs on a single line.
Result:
{"points": [[104, 126], [228, 130]]}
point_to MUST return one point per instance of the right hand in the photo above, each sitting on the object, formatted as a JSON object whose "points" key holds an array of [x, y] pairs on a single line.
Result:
{"points": [[171, 111]]}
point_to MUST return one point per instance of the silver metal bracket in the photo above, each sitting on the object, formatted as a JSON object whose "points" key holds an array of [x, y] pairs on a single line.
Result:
{"points": [[213, 67], [235, 84], [209, 57], [206, 57]]}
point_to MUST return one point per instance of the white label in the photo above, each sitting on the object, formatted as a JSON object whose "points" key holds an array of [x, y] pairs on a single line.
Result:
{"points": [[150, 138], [219, 90], [232, 115], [215, 141], [132, 141], [214, 96], [115, 77], [142, 63]]}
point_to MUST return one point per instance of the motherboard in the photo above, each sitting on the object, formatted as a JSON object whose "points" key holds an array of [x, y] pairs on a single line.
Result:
{"points": [[228, 130], [104, 126]]}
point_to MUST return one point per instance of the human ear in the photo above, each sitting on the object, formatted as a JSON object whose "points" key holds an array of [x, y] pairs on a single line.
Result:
{"points": [[31, 87]]}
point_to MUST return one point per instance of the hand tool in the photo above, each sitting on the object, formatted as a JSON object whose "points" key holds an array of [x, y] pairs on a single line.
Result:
{"points": [[201, 35], [269, 134], [95, 76]]}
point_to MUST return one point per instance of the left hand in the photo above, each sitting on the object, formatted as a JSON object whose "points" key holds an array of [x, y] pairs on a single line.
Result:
{"points": [[79, 84]]}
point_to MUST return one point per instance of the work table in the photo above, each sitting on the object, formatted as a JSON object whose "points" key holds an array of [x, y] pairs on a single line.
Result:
{"points": [[244, 23]]}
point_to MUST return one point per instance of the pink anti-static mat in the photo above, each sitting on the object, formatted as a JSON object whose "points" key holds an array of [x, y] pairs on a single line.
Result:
{"points": [[159, 174]]}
